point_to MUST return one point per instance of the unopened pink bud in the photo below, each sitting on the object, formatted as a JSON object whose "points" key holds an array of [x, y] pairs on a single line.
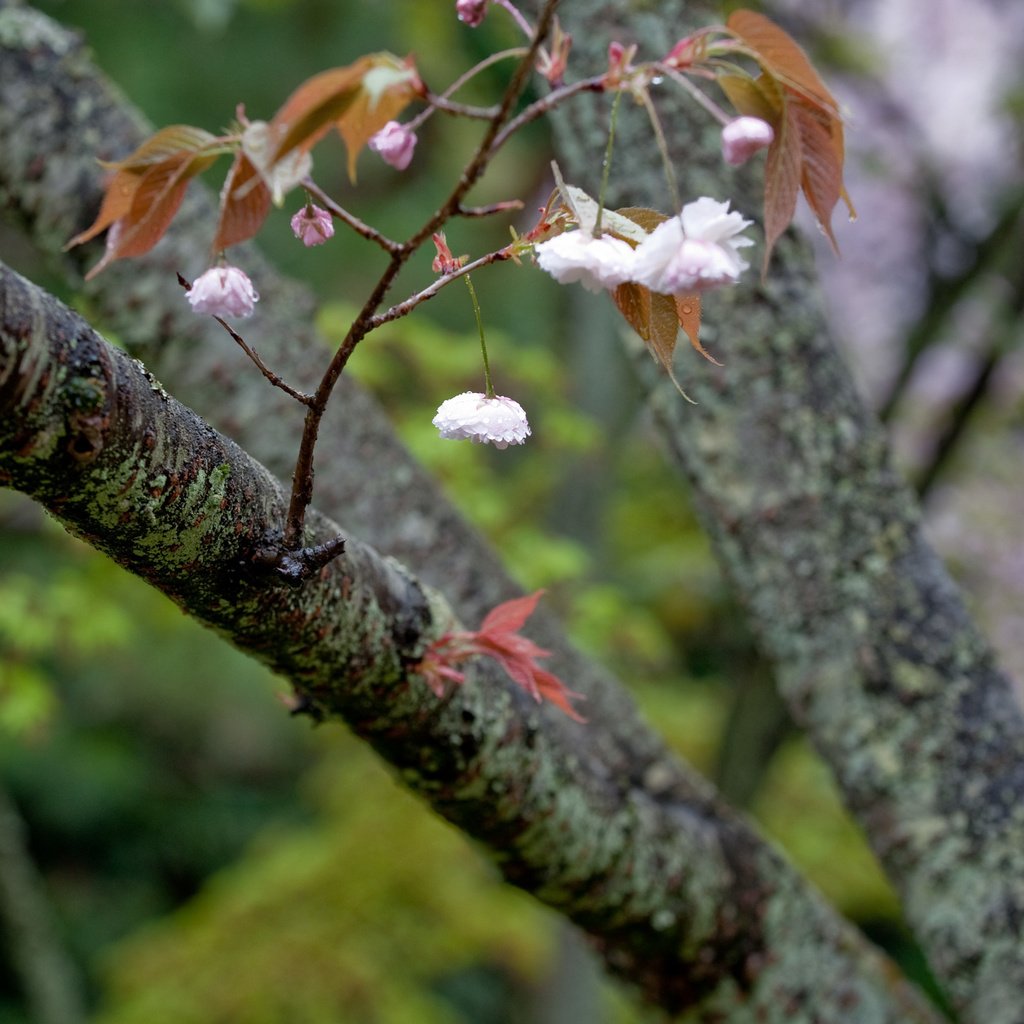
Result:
{"points": [[394, 144], [743, 137], [312, 225], [471, 12]]}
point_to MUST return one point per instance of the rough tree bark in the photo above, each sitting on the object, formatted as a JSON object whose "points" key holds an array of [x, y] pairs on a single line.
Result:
{"points": [[745, 937]]}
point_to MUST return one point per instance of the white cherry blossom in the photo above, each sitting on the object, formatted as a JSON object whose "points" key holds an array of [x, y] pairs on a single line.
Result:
{"points": [[597, 263], [473, 416], [693, 252]]}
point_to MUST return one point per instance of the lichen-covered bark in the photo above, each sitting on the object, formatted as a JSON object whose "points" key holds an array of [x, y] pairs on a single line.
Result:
{"points": [[680, 895], [871, 643]]}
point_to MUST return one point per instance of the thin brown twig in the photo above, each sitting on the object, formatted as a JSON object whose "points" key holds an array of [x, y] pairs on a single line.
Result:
{"points": [[401, 309], [274, 379], [491, 208], [360, 227]]}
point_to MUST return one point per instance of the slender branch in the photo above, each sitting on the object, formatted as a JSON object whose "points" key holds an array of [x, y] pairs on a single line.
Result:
{"points": [[505, 206], [357, 225], [705, 101], [457, 109], [401, 309], [302, 479], [545, 105], [274, 379]]}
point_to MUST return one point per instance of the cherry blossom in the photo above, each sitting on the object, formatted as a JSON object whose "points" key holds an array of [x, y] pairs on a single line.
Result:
{"points": [[693, 252], [473, 416], [597, 263], [223, 291], [471, 12], [394, 144], [743, 137], [312, 225]]}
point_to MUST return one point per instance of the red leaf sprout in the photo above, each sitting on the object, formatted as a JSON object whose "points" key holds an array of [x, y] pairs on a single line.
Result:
{"points": [[498, 638]]}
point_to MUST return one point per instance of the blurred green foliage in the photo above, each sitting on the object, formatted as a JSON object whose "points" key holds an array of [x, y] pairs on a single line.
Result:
{"points": [[214, 861]]}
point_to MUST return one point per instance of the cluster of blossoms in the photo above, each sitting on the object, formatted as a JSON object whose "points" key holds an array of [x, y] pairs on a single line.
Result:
{"points": [[684, 255]]}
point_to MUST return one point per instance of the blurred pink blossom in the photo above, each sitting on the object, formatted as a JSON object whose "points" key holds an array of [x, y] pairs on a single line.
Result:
{"points": [[743, 137], [471, 12], [394, 144], [223, 291], [312, 225]]}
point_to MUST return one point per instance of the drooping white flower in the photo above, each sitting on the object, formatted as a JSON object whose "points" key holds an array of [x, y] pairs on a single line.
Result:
{"points": [[597, 263], [259, 142], [693, 252], [223, 291], [394, 144], [743, 137], [473, 416], [312, 225]]}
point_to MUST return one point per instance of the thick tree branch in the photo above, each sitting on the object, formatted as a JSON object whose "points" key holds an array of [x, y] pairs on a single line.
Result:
{"points": [[873, 649], [681, 896]]}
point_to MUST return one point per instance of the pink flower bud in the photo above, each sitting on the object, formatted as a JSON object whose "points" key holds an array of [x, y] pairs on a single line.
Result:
{"points": [[223, 291], [312, 225], [471, 12], [743, 137], [394, 144], [683, 54]]}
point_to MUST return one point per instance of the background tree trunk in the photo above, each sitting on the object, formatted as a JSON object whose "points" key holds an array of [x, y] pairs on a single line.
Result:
{"points": [[870, 642]]}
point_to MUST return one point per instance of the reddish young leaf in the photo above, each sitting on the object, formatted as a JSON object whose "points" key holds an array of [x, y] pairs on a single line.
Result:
{"points": [[808, 149], [359, 100], [498, 638], [128, 173], [388, 87], [821, 172], [688, 310], [510, 616], [244, 204], [310, 111], [756, 97], [780, 55], [634, 303], [156, 199], [781, 181]]}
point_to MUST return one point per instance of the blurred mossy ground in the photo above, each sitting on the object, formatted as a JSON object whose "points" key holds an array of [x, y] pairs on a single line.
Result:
{"points": [[213, 860]]}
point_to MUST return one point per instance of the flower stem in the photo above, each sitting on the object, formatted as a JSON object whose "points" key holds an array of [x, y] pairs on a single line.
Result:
{"points": [[488, 386], [666, 159], [607, 165]]}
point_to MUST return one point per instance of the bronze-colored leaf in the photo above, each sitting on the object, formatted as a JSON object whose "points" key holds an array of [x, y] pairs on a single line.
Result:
{"points": [[310, 111], [388, 87], [688, 312], [821, 176], [634, 303], [156, 200], [756, 97], [781, 182], [358, 99], [780, 55], [244, 204], [177, 140]]}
